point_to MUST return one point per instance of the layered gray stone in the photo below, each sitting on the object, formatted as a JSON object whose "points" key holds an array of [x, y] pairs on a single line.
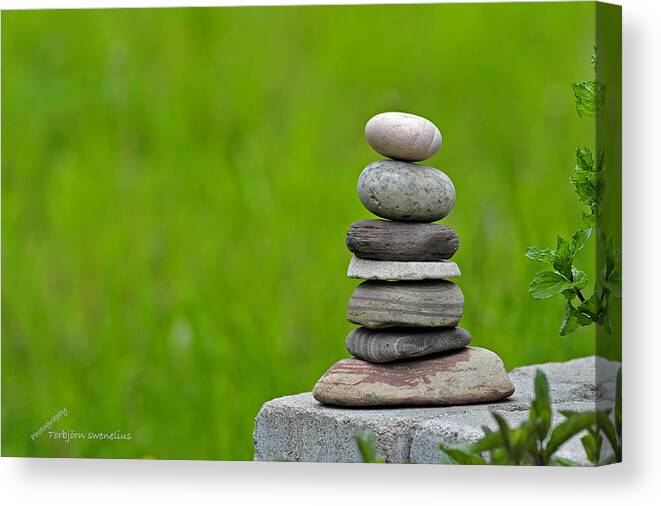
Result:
{"points": [[380, 304], [386, 345], [298, 428], [463, 376], [401, 241], [362, 268], [402, 191], [403, 136]]}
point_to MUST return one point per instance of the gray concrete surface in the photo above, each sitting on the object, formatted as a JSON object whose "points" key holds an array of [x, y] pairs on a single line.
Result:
{"points": [[298, 428]]}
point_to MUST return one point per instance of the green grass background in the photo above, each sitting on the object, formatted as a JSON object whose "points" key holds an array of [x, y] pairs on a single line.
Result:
{"points": [[177, 185]]}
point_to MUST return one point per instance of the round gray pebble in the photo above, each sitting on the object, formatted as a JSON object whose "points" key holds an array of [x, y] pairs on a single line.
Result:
{"points": [[402, 191], [403, 136]]}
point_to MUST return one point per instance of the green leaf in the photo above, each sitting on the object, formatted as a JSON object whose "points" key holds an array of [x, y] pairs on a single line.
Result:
{"points": [[504, 431], [584, 159], [585, 314], [605, 321], [499, 457], [580, 279], [607, 427], [589, 218], [490, 441], [588, 309], [613, 254], [546, 284], [503, 427], [592, 445], [584, 319], [589, 180], [598, 444], [540, 408], [614, 283], [579, 239], [562, 461], [574, 424], [590, 97], [462, 457], [611, 275], [367, 446], [589, 447], [520, 441], [540, 255], [563, 257], [570, 321]]}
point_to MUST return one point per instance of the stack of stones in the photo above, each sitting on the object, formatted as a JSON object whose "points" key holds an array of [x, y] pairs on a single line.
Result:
{"points": [[408, 349]]}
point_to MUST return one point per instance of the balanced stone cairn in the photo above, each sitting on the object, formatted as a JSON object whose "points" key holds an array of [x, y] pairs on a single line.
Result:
{"points": [[408, 349]]}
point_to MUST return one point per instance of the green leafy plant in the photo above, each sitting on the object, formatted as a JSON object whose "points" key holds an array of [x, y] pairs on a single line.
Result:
{"points": [[531, 443], [603, 426], [566, 279], [613, 428], [590, 96], [534, 443]]}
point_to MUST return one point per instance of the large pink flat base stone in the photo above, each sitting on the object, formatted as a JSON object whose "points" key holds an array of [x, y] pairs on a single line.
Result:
{"points": [[466, 376]]}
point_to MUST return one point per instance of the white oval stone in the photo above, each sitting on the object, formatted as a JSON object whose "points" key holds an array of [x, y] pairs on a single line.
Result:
{"points": [[403, 136]]}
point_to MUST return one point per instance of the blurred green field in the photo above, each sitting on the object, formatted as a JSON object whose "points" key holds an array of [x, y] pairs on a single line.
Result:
{"points": [[177, 185]]}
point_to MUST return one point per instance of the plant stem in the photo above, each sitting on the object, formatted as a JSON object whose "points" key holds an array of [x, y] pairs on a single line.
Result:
{"points": [[580, 296]]}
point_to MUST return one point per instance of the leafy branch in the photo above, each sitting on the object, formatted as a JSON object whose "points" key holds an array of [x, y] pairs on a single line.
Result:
{"points": [[565, 279], [534, 443], [590, 96]]}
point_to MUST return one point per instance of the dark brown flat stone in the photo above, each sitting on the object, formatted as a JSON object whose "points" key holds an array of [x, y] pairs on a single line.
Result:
{"points": [[387, 345], [466, 376], [379, 304], [401, 241]]}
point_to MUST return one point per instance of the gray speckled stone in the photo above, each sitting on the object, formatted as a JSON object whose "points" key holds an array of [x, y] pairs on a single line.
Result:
{"points": [[401, 241], [465, 376], [386, 345], [380, 304], [403, 136], [297, 428], [402, 191], [395, 271], [592, 377]]}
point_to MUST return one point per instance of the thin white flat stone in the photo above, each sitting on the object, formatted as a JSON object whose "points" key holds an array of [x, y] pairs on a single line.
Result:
{"points": [[362, 268]]}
